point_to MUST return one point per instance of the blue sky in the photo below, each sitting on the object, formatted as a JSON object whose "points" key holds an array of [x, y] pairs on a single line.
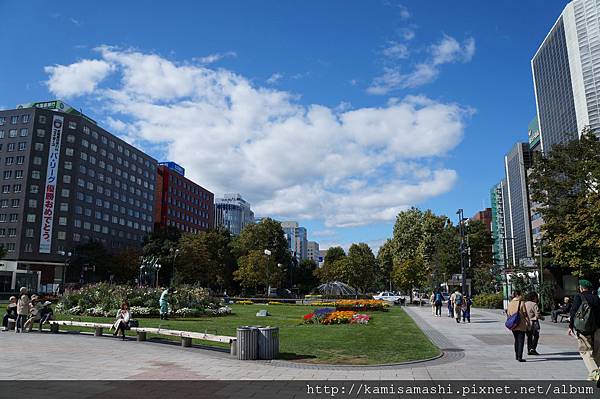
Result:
{"points": [[337, 114]]}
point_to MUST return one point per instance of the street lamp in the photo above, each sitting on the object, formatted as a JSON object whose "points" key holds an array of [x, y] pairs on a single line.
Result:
{"points": [[541, 279], [67, 256], [463, 280], [267, 254], [158, 266], [174, 254]]}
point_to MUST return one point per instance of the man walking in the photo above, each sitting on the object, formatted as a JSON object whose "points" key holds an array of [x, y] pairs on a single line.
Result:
{"points": [[164, 303], [585, 315], [457, 301]]}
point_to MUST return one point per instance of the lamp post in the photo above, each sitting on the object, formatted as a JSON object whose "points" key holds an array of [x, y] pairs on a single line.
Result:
{"points": [[541, 279], [505, 290], [463, 279], [67, 256], [267, 255], [158, 266], [174, 254]]}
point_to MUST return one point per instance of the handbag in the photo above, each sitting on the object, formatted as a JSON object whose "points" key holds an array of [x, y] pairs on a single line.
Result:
{"points": [[133, 323], [514, 320]]}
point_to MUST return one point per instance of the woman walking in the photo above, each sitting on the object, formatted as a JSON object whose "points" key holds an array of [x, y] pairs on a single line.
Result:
{"points": [[533, 333], [517, 305]]}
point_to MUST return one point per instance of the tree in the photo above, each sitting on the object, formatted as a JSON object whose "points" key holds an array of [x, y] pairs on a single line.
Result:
{"points": [[410, 273], [162, 244], [126, 265], [408, 235], [334, 258], [268, 235], [256, 269], [360, 267], [304, 277], [483, 271], [90, 262], [446, 258], [205, 258], [565, 183], [385, 262]]}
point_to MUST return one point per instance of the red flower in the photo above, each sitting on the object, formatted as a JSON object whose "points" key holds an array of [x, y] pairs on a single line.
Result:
{"points": [[309, 316]]}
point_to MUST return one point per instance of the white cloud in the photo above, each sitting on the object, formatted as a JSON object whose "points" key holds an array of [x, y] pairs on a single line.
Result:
{"points": [[396, 50], [447, 50], [274, 79], [76, 79], [212, 58], [342, 166]]}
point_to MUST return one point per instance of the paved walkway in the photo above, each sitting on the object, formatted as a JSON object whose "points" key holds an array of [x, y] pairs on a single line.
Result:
{"points": [[480, 350]]}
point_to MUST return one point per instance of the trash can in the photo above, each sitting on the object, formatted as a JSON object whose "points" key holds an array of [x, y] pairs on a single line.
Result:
{"points": [[268, 343], [247, 343]]}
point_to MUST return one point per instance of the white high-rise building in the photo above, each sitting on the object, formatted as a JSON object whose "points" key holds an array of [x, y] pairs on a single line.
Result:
{"points": [[312, 251], [297, 239], [565, 75], [233, 212]]}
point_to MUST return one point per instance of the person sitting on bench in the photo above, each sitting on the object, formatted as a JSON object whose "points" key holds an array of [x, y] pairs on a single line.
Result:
{"points": [[562, 309], [11, 313], [122, 322], [46, 314]]}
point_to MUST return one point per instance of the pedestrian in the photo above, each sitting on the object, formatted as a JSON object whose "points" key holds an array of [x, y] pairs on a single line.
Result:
{"points": [[11, 312], [439, 299], [432, 302], [457, 300], [122, 322], [583, 324], [34, 313], [23, 305], [565, 308], [46, 314], [517, 305], [533, 333], [163, 302], [466, 309], [450, 309]]}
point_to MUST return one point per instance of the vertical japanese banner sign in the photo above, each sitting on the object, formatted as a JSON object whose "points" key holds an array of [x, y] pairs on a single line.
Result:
{"points": [[51, 180]]}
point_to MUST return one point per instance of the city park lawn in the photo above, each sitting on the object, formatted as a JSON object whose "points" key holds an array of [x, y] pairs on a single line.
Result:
{"points": [[390, 337]]}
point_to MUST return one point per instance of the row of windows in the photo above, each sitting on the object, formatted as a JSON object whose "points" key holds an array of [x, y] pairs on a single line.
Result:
{"points": [[15, 119], [188, 207], [185, 228], [79, 210], [20, 160], [11, 218], [187, 197], [10, 147], [6, 188], [188, 187], [23, 132], [185, 217]]}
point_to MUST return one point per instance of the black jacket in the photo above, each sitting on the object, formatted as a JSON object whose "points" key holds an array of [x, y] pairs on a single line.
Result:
{"points": [[594, 302]]}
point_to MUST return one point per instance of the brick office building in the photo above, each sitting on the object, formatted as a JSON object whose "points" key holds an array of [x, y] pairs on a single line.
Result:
{"points": [[181, 203], [65, 181]]}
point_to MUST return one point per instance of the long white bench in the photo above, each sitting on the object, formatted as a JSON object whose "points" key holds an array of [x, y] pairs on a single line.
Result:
{"points": [[186, 336]]}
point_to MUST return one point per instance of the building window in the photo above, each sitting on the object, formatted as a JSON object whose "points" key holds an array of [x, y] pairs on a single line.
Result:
{"points": [[4, 203], [28, 247], [62, 235], [14, 217], [38, 146], [32, 203], [42, 119], [72, 125], [21, 160], [10, 147], [76, 237], [24, 132], [12, 133], [62, 221], [22, 146], [29, 232], [2, 120], [7, 174], [9, 160], [16, 188], [31, 217], [67, 179], [41, 133], [34, 189], [15, 203], [68, 165], [1, 134], [10, 247], [35, 174], [14, 119], [77, 223], [12, 232], [64, 193], [18, 174], [64, 207], [69, 152]]}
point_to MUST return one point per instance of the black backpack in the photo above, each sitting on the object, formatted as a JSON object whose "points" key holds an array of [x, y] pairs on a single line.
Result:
{"points": [[585, 318]]}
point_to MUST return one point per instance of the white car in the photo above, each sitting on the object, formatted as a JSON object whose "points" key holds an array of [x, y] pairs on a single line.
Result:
{"points": [[388, 296]]}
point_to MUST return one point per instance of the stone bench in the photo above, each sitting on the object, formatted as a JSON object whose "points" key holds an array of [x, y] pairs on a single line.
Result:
{"points": [[186, 336]]}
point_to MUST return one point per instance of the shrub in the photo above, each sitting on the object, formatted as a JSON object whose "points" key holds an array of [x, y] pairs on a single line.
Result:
{"points": [[489, 301]]}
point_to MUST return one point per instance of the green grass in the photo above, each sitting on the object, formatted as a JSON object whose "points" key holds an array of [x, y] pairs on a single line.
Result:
{"points": [[389, 337]]}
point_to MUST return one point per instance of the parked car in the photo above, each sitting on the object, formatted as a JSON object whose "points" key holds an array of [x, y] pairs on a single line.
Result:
{"points": [[388, 296]]}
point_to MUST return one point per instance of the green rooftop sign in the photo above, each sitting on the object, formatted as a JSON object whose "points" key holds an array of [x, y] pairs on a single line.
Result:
{"points": [[56, 105]]}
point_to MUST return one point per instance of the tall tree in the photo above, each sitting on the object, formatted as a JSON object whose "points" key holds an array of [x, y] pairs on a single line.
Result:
{"points": [[126, 265], [385, 262], [304, 275], [566, 183], [257, 270], [334, 258], [266, 235], [408, 235], [410, 273], [361, 267]]}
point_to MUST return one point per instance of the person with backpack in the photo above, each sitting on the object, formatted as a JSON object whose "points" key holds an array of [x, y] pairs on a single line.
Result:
{"points": [[584, 322], [466, 309], [518, 322], [439, 299], [533, 333], [457, 301]]}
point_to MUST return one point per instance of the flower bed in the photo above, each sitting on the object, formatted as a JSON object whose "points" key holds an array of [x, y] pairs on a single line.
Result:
{"points": [[320, 303], [244, 302], [332, 316], [361, 304], [275, 303]]}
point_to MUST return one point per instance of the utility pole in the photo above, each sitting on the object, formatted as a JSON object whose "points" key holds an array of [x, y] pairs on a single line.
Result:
{"points": [[541, 273]]}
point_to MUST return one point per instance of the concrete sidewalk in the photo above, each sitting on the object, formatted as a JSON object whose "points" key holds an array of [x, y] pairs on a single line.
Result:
{"points": [[480, 350]]}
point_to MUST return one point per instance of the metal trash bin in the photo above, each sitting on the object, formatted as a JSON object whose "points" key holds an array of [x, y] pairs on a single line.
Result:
{"points": [[247, 343], [268, 343]]}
